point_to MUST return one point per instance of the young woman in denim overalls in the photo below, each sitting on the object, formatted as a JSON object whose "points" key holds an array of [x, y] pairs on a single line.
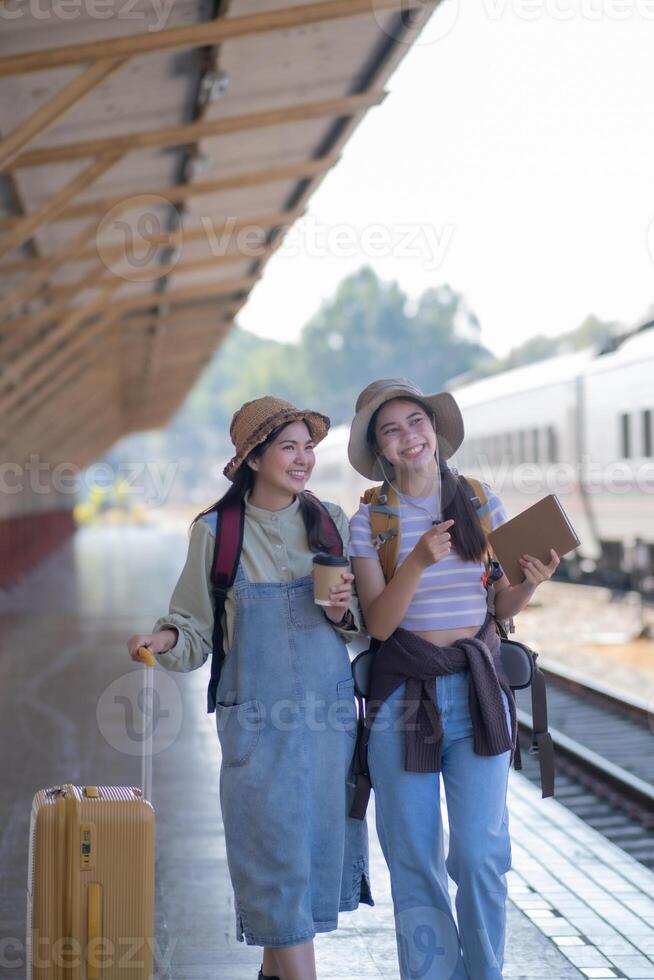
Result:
{"points": [[285, 708], [435, 606]]}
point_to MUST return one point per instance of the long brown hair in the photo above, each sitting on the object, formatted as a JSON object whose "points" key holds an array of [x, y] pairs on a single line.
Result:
{"points": [[244, 481], [468, 537]]}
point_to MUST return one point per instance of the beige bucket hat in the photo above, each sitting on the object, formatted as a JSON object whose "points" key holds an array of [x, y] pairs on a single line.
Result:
{"points": [[254, 421], [449, 422]]}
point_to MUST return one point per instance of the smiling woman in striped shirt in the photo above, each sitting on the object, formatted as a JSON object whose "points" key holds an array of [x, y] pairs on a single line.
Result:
{"points": [[438, 701]]}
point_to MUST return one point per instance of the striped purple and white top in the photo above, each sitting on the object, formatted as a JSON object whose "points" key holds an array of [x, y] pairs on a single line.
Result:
{"points": [[450, 593]]}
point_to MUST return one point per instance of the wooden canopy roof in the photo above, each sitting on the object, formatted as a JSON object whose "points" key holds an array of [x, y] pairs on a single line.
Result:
{"points": [[152, 153]]}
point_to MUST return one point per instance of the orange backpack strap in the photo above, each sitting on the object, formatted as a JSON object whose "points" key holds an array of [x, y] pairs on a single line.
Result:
{"points": [[480, 501], [384, 525]]}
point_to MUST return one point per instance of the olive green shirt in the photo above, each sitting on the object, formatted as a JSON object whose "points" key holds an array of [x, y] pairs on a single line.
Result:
{"points": [[274, 550]]}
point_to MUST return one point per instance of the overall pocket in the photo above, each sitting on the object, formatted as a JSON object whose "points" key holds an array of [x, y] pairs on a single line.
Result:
{"points": [[304, 613], [239, 727]]}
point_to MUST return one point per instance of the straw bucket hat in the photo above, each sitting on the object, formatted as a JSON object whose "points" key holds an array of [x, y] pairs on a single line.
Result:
{"points": [[449, 422], [255, 420]]}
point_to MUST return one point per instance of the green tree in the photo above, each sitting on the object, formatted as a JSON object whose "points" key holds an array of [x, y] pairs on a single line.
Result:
{"points": [[368, 331]]}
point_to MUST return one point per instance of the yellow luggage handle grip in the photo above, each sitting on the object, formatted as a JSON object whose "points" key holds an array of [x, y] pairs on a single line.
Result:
{"points": [[146, 656]]}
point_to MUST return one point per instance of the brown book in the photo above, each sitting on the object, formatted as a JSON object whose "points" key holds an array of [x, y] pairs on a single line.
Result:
{"points": [[542, 526]]}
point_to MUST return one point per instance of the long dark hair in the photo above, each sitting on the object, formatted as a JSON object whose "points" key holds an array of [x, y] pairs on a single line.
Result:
{"points": [[468, 536], [244, 481]]}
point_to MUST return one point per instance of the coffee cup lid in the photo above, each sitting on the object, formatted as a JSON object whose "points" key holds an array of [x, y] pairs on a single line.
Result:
{"points": [[324, 559]]}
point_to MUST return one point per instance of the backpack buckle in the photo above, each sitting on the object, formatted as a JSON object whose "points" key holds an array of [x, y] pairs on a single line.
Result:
{"points": [[383, 537]]}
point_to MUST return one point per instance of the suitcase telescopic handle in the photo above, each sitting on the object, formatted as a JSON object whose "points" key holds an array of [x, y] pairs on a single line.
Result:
{"points": [[147, 658]]}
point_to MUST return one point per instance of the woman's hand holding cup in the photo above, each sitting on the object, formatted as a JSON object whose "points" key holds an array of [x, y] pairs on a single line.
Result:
{"points": [[332, 585], [340, 597]]}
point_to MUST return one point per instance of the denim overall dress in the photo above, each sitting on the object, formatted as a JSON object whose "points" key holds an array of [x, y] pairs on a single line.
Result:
{"points": [[286, 720]]}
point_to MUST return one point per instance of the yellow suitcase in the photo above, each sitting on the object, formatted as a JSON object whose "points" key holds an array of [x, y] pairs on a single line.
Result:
{"points": [[90, 881]]}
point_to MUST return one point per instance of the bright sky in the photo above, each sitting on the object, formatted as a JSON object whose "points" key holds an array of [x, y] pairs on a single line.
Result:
{"points": [[512, 158]]}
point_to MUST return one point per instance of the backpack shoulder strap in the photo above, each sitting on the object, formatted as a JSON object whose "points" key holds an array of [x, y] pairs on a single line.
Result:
{"points": [[480, 501], [230, 523], [384, 525]]}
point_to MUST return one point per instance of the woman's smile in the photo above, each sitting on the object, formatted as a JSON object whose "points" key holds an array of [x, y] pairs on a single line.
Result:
{"points": [[412, 452]]}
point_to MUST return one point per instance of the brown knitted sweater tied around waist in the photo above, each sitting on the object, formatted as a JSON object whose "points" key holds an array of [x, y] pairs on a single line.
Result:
{"points": [[407, 658]]}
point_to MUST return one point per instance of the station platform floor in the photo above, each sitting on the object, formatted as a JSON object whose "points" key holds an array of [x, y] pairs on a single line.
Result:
{"points": [[579, 906]]}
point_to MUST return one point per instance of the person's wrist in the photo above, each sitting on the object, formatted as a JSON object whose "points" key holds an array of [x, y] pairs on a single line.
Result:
{"points": [[171, 639], [334, 619], [414, 563]]}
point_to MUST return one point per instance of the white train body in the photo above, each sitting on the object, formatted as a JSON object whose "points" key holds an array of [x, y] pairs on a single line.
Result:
{"points": [[581, 426]]}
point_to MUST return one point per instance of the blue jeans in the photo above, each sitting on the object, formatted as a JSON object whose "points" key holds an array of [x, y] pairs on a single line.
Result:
{"points": [[410, 830]]}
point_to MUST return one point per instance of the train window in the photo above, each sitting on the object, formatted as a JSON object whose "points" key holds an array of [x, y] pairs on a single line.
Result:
{"points": [[521, 454], [508, 447], [647, 432], [552, 446], [625, 436]]}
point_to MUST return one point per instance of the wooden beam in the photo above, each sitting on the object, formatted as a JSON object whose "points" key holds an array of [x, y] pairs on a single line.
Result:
{"points": [[16, 200], [194, 356], [33, 408], [23, 329], [55, 203], [177, 321], [264, 221], [202, 34], [184, 293], [101, 395], [177, 194], [42, 269], [28, 369], [163, 270], [177, 335], [79, 371], [34, 432], [105, 426], [55, 107], [345, 105], [50, 370], [41, 359], [92, 279]]}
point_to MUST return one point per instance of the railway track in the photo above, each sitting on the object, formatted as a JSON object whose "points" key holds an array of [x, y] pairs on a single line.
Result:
{"points": [[604, 746]]}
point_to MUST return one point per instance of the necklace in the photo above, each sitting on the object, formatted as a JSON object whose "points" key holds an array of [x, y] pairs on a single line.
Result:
{"points": [[433, 512]]}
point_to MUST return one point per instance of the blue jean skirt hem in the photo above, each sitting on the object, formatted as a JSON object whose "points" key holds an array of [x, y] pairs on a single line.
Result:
{"points": [[362, 895], [250, 940]]}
